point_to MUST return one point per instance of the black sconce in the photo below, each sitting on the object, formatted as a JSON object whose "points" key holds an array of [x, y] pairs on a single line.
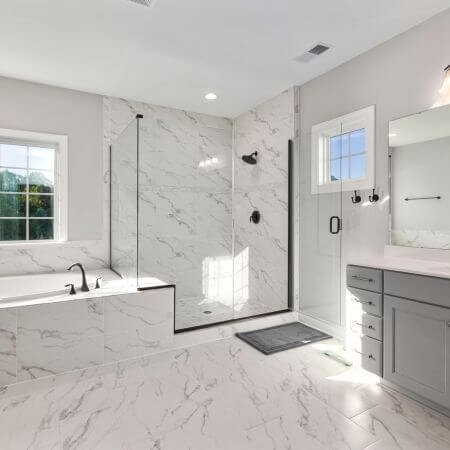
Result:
{"points": [[374, 197], [356, 198]]}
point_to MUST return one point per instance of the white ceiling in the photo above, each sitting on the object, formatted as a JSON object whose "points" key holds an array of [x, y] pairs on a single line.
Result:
{"points": [[425, 126], [176, 51]]}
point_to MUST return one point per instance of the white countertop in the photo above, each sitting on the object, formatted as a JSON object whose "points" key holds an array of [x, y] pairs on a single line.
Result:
{"points": [[417, 266]]}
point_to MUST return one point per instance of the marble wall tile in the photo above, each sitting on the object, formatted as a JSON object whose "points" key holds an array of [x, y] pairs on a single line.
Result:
{"points": [[55, 323], [8, 339], [53, 358], [265, 129], [58, 337], [138, 325], [56, 257], [261, 251]]}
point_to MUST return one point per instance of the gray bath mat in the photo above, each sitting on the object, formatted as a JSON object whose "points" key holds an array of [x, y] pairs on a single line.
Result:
{"points": [[282, 337]]}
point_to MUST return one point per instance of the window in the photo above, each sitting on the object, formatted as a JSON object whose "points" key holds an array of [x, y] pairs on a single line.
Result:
{"points": [[343, 153], [32, 187]]}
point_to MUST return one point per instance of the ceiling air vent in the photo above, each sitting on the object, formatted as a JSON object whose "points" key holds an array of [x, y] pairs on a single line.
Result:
{"points": [[318, 49], [312, 53], [147, 3]]}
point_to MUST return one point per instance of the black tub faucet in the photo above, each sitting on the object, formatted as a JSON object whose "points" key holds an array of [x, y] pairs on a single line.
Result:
{"points": [[84, 286]]}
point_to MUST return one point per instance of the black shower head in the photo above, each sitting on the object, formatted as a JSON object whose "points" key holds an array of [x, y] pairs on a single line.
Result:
{"points": [[250, 159]]}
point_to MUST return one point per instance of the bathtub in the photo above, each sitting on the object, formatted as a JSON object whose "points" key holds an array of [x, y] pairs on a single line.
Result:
{"points": [[23, 290]]}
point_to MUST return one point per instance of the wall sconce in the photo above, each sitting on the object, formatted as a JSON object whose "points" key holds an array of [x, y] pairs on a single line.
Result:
{"points": [[444, 92]]}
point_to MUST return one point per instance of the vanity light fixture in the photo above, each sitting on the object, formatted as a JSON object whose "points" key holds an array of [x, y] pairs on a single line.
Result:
{"points": [[211, 96], [444, 92]]}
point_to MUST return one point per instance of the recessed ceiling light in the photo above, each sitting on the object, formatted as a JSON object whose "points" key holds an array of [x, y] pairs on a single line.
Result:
{"points": [[211, 96], [392, 134]]}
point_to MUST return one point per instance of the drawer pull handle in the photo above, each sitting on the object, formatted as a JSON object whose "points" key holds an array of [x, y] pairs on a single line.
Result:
{"points": [[362, 301], [370, 327], [370, 356], [358, 277]]}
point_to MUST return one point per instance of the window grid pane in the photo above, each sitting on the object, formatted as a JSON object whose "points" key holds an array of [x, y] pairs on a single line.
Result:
{"points": [[347, 156], [43, 209]]}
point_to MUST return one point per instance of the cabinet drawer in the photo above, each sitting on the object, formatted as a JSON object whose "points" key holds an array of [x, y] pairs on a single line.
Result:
{"points": [[365, 278], [367, 325], [368, 354], [418, 287], [365, 301]]}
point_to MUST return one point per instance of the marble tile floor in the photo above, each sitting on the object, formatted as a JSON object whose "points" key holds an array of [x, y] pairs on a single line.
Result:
{"points": [[221, 395]]}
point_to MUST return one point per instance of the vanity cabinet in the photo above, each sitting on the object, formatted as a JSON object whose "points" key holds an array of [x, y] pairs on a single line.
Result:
{"points": [[417, 348], [402, 329], [364, 287]]}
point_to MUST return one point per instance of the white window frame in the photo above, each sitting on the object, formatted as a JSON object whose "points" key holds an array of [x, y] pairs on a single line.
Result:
{"points": [[60, 143], [320, 138]]}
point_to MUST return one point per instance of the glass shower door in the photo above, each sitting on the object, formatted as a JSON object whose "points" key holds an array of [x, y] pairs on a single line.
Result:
{"points": [[321, 238]]}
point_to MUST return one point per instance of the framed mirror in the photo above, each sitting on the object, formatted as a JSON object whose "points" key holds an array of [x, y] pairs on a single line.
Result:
{"points": [[419, 161]]}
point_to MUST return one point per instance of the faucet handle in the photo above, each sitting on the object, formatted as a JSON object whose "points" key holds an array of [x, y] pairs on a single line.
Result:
{"points": [[72, 289], [98, 282]]}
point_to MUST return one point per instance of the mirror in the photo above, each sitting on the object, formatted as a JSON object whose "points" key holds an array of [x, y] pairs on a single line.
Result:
{"points": [[419, 153]]}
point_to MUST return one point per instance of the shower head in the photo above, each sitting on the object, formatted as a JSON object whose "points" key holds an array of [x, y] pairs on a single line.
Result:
{"points": [[250, 159]]}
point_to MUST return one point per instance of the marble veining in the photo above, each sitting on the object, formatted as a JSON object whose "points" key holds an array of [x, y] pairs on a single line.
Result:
{"points": [[195, 198], [217, 396]]}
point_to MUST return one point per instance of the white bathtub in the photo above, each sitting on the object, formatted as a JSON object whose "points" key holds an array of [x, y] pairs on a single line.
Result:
{"points": [[26, 290], [30, 289]]}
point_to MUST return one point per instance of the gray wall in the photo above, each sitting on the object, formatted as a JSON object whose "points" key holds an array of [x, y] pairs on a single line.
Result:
{"points": [[400, 77], [40, 108], [36, 107]]}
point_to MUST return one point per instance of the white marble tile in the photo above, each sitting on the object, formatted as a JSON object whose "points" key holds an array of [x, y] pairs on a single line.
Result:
{"points": [[50, 358], [55, 257], [29, 420], [265, 129], [219, 395], [8, 339], [395, 432], [261, 256], [419, 416], [55, 323]]}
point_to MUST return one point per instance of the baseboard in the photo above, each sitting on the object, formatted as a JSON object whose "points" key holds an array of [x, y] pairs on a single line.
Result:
{"points": [[326, 327], [418, 398]]}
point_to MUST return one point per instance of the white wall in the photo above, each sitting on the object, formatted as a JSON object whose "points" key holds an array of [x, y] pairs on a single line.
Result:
{"points": [[36, 107], [399, 77]]}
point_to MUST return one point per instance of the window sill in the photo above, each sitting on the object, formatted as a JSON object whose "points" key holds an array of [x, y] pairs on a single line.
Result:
{"points": [[22, 244]]}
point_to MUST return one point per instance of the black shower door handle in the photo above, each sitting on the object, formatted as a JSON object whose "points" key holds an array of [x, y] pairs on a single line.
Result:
{"points": [[335, 220]]}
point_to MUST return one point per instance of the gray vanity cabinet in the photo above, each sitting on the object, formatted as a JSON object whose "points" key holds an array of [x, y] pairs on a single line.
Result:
{"points": [[417, 348]]}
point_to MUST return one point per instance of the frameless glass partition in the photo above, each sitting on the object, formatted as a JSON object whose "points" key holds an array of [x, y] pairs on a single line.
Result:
{"points": [[124, 203]]}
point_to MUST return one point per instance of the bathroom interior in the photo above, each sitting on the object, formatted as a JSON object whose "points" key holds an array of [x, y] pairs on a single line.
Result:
{"points": [[182, 183]]}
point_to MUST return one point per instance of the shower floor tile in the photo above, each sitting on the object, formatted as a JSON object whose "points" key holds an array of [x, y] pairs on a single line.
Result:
{"points": [[194, 312]]}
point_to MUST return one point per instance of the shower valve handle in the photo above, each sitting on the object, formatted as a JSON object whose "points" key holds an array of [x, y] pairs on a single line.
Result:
{"points": [[255, 217]]}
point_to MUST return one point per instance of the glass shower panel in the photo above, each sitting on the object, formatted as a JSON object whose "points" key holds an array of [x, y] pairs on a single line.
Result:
{"points": [[124, 205], [185, 212], [321, 237]]}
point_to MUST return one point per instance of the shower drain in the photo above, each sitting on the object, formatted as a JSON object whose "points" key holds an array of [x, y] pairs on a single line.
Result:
{"points": [[207, 312]]}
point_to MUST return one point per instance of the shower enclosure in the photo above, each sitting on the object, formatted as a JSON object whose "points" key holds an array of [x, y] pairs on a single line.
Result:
{"points": [[182, 199]]}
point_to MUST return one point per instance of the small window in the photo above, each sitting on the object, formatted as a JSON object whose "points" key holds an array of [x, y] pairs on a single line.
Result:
{"points": [[342, 153], [32, 207]]}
